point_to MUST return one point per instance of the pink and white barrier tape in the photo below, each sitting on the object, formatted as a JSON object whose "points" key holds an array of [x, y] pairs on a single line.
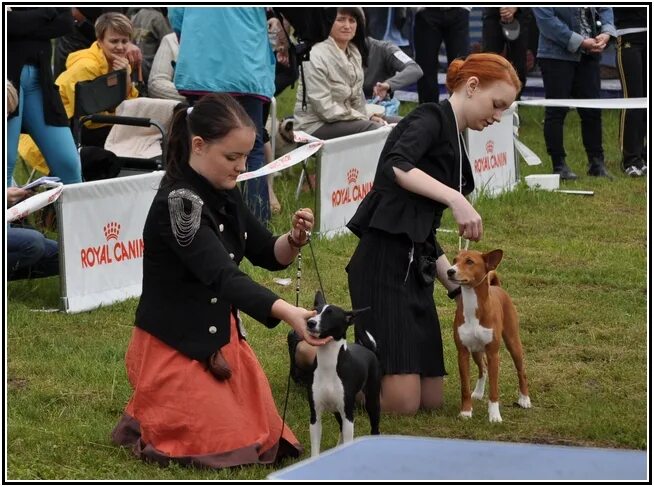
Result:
{"points": [[36, 202]]}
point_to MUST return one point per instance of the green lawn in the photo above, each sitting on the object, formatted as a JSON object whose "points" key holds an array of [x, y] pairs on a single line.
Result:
{"points": [[577, 270]]}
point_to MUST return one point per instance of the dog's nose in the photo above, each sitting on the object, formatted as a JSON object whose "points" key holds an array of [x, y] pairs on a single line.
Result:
{"points": [[451, 271], [311, 324]]}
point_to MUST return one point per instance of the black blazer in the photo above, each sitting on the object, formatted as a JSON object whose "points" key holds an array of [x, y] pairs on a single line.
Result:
{"points": [[425, 139], [191, 280], [29, 31]]}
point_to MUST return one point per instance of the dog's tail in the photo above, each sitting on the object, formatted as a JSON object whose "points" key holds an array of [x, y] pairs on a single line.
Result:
{"points": [[363, 336], [494, 279]]}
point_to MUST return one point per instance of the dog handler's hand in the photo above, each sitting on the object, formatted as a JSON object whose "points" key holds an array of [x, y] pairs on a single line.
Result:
{"points": [[297, 318], [301, 225], [469, 221]]}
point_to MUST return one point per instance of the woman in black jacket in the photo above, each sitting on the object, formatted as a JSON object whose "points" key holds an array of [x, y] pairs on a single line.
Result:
{"points": [[200, 396], [40, 110], [422, 171]]}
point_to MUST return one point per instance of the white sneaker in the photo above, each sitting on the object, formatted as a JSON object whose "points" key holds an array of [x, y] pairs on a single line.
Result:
{"points": [[634, 172]]}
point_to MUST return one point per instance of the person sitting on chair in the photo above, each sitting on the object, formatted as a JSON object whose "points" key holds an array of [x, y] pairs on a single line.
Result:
{"points": [[108, 53]]}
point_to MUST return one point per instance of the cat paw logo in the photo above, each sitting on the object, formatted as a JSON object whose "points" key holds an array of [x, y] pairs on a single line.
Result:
{"points": [[490, 145], [111, 230], [352, 176]]}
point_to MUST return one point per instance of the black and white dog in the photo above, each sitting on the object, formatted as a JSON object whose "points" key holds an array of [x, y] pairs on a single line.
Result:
{"points": [[341, 370]]}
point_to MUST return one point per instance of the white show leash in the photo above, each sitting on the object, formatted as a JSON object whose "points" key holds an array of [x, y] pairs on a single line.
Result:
{"points": [[461, 142]]}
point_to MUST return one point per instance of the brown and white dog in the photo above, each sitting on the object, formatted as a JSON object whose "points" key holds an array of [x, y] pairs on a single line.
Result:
{"points": [[484, 315]]}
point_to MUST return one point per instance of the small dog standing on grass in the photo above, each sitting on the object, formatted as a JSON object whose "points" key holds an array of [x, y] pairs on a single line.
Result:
{"points": [[341, 370], [483, 315]]}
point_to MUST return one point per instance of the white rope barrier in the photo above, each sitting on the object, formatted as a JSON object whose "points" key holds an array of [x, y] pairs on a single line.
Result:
{"points": [[606, 103]]}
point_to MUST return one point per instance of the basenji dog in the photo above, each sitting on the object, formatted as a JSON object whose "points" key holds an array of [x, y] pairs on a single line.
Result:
{"points": [[340, 371], [484, 315]]}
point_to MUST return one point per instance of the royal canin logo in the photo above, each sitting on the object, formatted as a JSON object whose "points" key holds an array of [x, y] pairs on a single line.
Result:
{"points": [[112, 252], [490, 160], [353, 191]]}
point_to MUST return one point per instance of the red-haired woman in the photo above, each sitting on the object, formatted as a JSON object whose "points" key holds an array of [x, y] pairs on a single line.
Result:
{"points": [[417, 179]]}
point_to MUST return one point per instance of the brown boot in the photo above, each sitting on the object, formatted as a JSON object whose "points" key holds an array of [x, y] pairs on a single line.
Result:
{"points": [[218, 366]]}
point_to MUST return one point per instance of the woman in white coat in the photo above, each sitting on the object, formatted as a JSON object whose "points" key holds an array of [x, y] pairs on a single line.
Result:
{"points": [[330, 101]]}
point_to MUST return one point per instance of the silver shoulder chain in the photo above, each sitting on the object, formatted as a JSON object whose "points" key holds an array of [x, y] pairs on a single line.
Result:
{"points": [[184, 225]]}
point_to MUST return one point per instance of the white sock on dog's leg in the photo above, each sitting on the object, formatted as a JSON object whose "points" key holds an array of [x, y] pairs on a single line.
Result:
{"points": [[480, 386], [348, 430], [494, 412], [315, 432], [466, 414], [524, 401]]}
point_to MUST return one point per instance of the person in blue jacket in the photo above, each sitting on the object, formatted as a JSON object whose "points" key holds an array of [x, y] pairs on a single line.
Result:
{"points": [[570, 43], [226, 50]]}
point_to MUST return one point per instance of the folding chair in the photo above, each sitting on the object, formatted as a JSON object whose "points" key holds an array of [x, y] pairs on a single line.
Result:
{"points": [[103, 94]]}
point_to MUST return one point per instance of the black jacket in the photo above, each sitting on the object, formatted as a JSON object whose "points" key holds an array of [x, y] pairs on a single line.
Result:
{"points": [[29, 31], [425, 139], [191, 280]]}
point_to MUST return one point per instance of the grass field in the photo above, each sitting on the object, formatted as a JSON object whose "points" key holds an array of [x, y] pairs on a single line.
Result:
{"points": [[577, 270]]}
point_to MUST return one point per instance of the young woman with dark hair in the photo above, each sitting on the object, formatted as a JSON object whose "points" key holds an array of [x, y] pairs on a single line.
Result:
{"points": [[200, 396]]}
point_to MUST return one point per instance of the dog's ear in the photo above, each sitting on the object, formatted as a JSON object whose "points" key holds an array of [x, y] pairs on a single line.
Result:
{"points": [[493, 259], [350, 315], [287, 125], [319, 300]]}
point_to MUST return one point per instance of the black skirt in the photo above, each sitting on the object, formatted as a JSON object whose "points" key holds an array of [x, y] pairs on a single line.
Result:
{"points": [[403, 319]]}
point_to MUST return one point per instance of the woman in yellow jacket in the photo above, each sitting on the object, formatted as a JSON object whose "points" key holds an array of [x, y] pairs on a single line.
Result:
{"points": [[108, 53]]}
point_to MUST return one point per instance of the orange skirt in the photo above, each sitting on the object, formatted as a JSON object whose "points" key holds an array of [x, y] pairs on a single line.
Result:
{"points": [[180, 412]]}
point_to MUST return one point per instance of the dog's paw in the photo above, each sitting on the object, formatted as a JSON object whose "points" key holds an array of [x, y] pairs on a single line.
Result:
{"points": [[524, 401], [494, 412], [465, 414], [478, 393]]}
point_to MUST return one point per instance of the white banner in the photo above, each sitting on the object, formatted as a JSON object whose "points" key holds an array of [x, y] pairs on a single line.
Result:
{"points": [[101, 239], [346, 170], [492, 156]]}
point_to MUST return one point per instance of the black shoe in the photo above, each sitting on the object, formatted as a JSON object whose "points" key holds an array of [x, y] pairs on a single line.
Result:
{"points": [[565, 173], [598, 169], [300, 376]]}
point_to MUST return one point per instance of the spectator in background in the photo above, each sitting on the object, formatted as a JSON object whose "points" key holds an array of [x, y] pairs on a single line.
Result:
{"points": [[162, 74], [150, 26], [389, 69], [83, 35], [333, 82], [433, 26], [631, 25], [226, 50], [506, 29], [40, 111], [108, 53], [393, 24], [29, 253], [569, 48]]}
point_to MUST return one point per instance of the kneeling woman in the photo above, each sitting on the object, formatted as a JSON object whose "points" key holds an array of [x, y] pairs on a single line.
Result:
{"points": [[200, 395]]}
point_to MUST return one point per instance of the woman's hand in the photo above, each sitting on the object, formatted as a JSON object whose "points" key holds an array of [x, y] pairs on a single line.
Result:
{"points": [[297, 318], [119, 63], [301, 225], [15, 195], [378, 119], [469, 221]]}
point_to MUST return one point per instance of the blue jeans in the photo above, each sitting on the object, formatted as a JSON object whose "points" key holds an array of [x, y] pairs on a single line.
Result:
{"points": [[256, 190], [30, 254], [56, 143]]}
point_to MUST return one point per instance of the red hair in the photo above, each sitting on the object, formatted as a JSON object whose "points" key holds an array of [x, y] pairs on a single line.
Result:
{"points": [[488, 67]]}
